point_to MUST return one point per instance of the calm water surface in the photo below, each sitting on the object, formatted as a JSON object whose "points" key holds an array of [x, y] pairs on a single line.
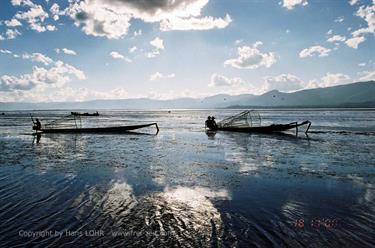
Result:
{"points": [[185, 188]]}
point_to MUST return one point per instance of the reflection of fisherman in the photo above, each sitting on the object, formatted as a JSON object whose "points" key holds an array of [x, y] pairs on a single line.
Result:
{"points": [[37, 125], [211, 123]]}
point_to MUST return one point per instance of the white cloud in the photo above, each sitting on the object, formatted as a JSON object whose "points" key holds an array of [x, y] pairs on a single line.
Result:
{"points": [[66, 51], [38, 27], [333, 79], [195, 23], [337, 38], [291, 4], [152, 54], [367, 13], [13, 23], [339, 19], [10, 83], [158, 45], [35, 16], [328, 80], [329, 32], [353, 2], [111, 18], [137, 33], [56, 76], [251, 58], [5, 51], [237, 42], [284, 82], [220, 84], [362, 64], [354, 42], [119, 56], [82, 94], [155, 76], [116, 55], [132, 49], [51, 28], [49, 93], [55, 10], [158, 75], [367, 75], [38, 57], [99, 20], [28, 3], [12, 34], [222, 81], [314, 51]]}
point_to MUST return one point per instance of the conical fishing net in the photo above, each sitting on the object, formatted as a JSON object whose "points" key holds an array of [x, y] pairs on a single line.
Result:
{"points": [[249, 118], [69, 121]]}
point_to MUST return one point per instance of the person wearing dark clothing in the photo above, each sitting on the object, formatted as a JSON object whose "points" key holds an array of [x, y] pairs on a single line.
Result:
{"points": [[210, 123], [37, 125], [213, 123]]}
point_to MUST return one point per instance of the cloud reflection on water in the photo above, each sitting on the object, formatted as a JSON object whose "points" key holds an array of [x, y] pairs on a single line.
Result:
{"points": [[177, 214]]}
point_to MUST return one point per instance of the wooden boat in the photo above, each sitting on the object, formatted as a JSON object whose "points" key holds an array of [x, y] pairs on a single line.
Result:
{"points": [[73, 124], [267, 129], [250, 122], [84, 114], [119, 129]]}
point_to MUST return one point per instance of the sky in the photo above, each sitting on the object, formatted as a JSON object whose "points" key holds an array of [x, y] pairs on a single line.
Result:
{"points": [[80, 50]]}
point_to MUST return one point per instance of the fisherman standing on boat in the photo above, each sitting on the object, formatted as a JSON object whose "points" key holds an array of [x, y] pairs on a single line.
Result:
{"points": [[37, 125]]}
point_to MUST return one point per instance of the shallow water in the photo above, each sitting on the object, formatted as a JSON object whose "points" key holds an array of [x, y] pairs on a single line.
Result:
{"points": [[184, 187]]}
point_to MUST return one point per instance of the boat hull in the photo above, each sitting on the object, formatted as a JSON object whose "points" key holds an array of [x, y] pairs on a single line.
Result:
{"points": [[267, 129], [121, 129]]}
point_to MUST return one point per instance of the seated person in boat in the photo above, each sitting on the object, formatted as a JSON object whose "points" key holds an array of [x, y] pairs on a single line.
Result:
{"points": [[37, 125], [214, 126], [208, 121], [211, 123]]}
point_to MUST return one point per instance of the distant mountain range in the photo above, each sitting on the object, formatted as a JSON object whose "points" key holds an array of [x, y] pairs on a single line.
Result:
{"points": [[361, 94]]}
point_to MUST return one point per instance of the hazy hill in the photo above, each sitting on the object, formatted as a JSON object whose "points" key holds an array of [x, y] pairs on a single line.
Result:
{"points": [[361, 94], [336, 96]]}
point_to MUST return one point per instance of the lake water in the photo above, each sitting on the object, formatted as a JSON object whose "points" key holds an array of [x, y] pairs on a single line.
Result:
{"points": [[185, 188]]}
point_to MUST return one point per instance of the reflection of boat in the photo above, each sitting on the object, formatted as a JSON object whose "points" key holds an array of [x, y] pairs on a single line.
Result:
{"points": [[250, 122], [85, 114]]}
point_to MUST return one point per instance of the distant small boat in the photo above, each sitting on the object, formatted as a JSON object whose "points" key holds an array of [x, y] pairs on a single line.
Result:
{"points": [[250, 122], [84, 114]]}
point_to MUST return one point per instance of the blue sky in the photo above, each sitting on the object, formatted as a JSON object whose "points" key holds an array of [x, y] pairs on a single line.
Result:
{"points": [[111, 49]]}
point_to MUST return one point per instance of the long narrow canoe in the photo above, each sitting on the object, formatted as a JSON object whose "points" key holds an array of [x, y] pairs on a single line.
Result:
{"points": [[84, 114], [120, 129], [267, 129]]}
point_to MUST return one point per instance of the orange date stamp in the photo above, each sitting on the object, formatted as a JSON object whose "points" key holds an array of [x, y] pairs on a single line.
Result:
{"points": [[316, 223]]}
